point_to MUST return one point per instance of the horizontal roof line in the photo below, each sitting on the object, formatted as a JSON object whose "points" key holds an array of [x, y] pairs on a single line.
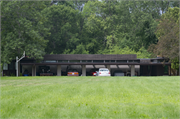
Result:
{"points": [[91, 63]]}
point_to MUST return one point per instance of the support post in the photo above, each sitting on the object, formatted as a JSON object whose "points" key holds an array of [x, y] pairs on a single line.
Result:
{"points": [[132, 70], [94, 66], [83, 70], [117, 66], [58, 70], [108, 66], [129, 66], [170, 70], [17, 66], [34, 70]]}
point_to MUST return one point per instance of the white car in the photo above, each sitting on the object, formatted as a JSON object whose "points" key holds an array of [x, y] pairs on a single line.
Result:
{"points": [[103, 72]]}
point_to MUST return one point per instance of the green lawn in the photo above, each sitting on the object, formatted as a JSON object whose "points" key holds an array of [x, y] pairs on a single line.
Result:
{"points": [[90, 97]]}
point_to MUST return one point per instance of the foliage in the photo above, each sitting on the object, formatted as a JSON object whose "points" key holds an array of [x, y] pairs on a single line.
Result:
{"points": [[1, 66], [175, 64], [86, 27], [126, 23], [62, 21], [80, 49], [22, 29], [142, 53], [168, 36], [12, 74]]}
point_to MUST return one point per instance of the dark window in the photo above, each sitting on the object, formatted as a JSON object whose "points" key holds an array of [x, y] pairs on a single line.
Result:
{"points": [[5, 66], [98, 60], [62, 60], [50, 61], [137, 61], [12, 66], [131, 60], [123, 61], [165, 69], [74, 60]]}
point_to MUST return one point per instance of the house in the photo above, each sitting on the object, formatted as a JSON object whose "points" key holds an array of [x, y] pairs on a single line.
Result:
{"points": [[57, 64]]}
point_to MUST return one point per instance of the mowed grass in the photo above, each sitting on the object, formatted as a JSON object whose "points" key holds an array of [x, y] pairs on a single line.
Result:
{"points": [[90, 97]]}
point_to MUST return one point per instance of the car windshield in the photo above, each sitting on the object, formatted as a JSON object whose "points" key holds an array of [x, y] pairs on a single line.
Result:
{"points": [[103, 70]]}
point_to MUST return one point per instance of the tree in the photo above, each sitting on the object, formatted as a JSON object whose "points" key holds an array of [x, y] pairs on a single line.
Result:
{"points": [[80, 49], [142, 53], [22, 29], [126, 23], [168, 36], [62, 21], [93, 27]]}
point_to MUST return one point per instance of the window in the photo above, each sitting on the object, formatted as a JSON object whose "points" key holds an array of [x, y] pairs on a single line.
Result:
{"points": [[12, 66], [51, 61], [5, 66], [122, 61], [131, 60], [166, 69], [74, 60], [103, 70], [137, 61], [62, 60], [98, 60]]}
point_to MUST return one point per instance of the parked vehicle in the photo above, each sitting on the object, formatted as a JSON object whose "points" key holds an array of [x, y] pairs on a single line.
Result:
{"points": [[72, 72], [103, 72], [118, 73], [128, 73], [92, 72], [26, 72]]}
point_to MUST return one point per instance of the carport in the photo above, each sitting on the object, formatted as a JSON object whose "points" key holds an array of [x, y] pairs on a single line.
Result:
{"points": [[84, 60]]}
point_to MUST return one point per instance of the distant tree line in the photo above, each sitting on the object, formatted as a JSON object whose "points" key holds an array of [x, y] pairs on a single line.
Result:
{"points": [[145, 28]]}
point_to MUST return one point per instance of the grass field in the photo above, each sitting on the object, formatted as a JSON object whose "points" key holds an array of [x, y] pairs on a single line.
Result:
{"points": [[90, 97]]}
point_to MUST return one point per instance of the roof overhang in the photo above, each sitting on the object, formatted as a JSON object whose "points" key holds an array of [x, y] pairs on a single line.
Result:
{"points": [[93, 63], [90, 57]]}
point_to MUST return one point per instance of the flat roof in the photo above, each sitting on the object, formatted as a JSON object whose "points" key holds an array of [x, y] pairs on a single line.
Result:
{"points": [[130, 59], [94, 63], [90, 57]]}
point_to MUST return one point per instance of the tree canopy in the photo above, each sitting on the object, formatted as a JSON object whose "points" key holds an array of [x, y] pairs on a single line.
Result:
{"points": [[168, 36], [89, 27], [22, 29]]}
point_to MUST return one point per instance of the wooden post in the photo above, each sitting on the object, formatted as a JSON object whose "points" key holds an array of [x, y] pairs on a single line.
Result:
{"points": [[83, 70], [132, 70], [58, 70]]}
